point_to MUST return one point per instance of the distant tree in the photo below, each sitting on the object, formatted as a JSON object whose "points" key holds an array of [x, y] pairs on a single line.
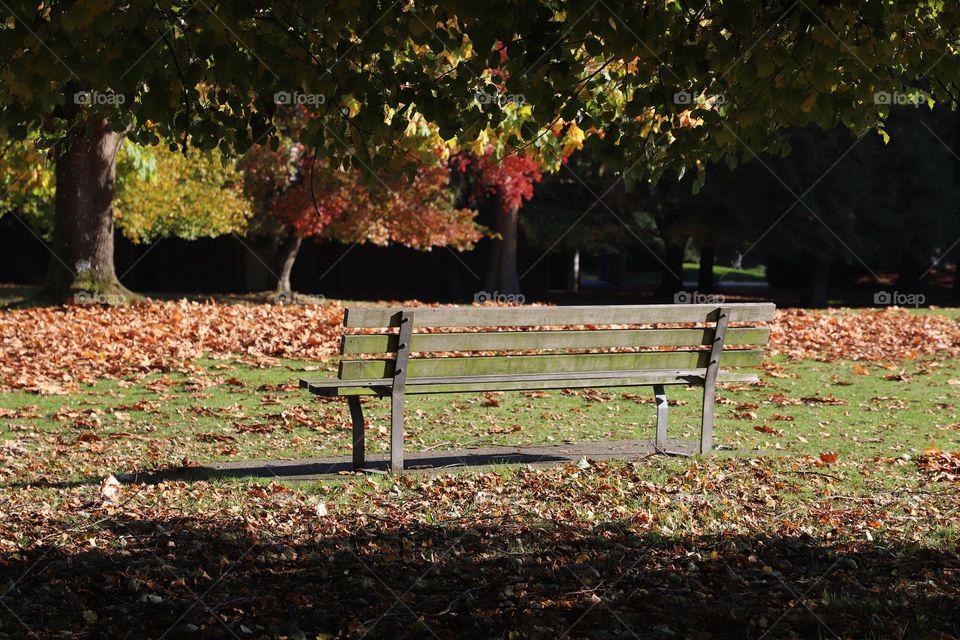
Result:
{"points": [[581, 207], [26, 183], [159, 192], [911, 215], [163, 193], [872, 205], [297, 196], [498, 187]]}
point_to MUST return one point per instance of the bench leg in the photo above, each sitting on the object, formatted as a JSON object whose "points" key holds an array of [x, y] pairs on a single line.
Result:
{"points": [[710, 380], [396, 433], [356, 416], [706, 421], [661, 396], [404, 338]]}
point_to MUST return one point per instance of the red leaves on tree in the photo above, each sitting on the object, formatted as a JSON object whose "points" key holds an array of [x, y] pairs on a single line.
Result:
{"points": [[353, 206], [510, 180]]}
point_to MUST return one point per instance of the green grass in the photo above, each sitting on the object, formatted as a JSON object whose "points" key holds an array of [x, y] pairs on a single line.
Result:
{"points": [[756, 273], [691, 272], [230, 410]]}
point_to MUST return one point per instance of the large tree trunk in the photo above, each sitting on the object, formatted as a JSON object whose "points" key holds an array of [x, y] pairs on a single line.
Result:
{"points": [[286, 257], [81, 263], [502, 276], [705, 280]]}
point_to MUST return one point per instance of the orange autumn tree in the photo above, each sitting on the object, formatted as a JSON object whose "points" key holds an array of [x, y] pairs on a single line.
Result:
{"points": [[297, 195]]}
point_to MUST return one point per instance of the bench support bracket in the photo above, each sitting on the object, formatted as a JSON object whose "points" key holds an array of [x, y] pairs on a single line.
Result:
{"points": [[356, 416], [397, 388], [710, 380], [661, 396]]}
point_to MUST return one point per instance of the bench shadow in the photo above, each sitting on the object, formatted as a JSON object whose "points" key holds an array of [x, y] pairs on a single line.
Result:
{"points": [[315, 470]]}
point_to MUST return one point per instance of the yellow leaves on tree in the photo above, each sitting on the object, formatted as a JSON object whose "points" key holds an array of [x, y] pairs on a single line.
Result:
{"points": [[164, 193]]}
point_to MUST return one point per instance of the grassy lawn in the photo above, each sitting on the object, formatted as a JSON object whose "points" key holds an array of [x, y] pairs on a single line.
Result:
{"points": [[691, 270], [230, 410], [817, 522], [756, 273]]}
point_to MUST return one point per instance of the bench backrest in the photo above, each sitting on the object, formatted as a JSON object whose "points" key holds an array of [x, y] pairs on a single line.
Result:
{"points": [[565, 335]]}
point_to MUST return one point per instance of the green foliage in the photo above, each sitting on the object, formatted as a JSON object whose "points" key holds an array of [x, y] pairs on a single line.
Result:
{"points": [[26, 183], [668, 86], [162, 193]]}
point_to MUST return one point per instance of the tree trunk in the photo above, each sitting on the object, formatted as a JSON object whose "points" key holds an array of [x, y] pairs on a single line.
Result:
{"points": [[81, 263], [705, 280], [914, 274], [671, 282], [286, 257], [818, 283], [502, 276], [956, 280], [619, 270], [257, 276], [573, 270]]}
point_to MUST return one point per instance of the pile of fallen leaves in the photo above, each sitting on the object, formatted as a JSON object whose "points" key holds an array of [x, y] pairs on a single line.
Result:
{"points": [[942, 465], [863, 334], [49, 350]]}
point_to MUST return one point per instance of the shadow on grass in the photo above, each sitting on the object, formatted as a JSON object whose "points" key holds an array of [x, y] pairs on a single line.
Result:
{"points": [[186, 578], [310, 470], [326, 468]]}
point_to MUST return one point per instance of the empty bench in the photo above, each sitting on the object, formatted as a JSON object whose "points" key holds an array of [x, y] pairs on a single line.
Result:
{"points": [[477, 349]]}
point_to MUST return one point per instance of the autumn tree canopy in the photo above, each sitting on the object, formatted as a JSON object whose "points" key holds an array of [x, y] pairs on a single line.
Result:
{"points": [[653, 85]]}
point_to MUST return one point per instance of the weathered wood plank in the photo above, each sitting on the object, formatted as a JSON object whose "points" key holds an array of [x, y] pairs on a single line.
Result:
{"points": [[548, 340], [558, 316], [331, 388], [494, 365]]}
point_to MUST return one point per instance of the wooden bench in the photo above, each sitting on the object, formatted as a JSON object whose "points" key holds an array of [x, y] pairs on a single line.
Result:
{"points": [[566, 355]]}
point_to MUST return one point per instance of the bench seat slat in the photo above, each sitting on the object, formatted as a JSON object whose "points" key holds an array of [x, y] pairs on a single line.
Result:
{"points": [[569, 363], [546, 340], [557, 316], [467, 384]]}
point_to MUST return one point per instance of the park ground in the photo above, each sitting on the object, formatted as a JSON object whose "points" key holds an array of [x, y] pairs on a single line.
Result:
{"points": [[833, 510]]}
